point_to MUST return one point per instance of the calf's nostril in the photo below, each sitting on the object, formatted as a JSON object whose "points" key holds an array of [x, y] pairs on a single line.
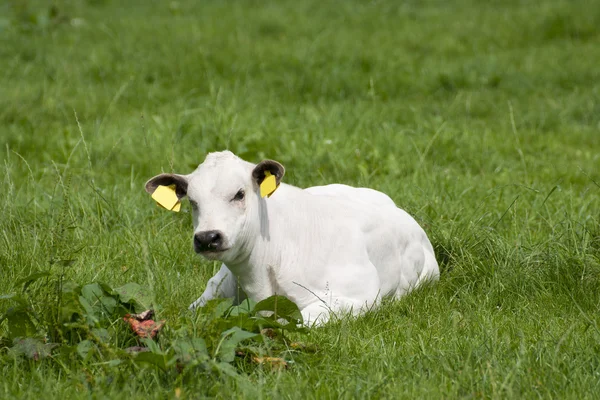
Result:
{"points": [[215, 239]]}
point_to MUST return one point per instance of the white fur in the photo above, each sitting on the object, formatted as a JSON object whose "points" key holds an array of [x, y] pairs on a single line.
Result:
{"points": [[327, 248]]}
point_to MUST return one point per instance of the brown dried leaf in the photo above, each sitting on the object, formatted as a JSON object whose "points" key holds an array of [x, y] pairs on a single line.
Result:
{"points": [[269, 332], [274, 363], [143, 325]]}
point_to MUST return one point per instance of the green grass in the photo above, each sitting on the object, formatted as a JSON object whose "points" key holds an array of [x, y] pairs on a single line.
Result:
{"points": [[482, 119]]}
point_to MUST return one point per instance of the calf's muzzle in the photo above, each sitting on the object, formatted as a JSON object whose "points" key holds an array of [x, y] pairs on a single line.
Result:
{"points": [[208, 241]]}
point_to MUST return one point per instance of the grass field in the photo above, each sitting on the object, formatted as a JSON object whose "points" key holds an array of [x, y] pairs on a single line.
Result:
{"points": [[480, 118]]}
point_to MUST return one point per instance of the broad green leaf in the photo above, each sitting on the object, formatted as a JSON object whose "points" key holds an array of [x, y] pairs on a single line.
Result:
{"points": [[153, 346], [157, 360], [31, 348], [96, 302], [101, 334], [19, 323], [244, 321], [92, 292], [226, 369], [17, 298], [85, 349], [106, 288], [216, 307], [30, 279], [199, 344], [71, 308], [90, 312], [188, 350], [281, 307], [111, 363], [109, 304], [135, 294], [244, 307], [230, 340]]}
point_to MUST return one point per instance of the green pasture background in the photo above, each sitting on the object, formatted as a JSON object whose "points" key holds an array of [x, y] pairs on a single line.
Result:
{"points": [[480, 118]]}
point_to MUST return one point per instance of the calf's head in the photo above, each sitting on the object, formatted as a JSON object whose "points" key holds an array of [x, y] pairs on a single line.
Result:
{"points": [[224, 192]]}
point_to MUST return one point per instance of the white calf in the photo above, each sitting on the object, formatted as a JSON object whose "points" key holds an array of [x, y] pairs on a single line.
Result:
{"points": [[327, 248]]}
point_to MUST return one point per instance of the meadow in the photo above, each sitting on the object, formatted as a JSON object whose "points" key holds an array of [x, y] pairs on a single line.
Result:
{"points": [[480, 118]]}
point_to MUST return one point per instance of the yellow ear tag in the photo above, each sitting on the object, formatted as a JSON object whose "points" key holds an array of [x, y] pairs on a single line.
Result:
{"points": [[166, 197], [268, 185]]}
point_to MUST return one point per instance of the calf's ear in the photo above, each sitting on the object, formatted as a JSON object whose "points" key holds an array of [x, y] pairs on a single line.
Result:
{"points": [[276, 169], [180, 182]]}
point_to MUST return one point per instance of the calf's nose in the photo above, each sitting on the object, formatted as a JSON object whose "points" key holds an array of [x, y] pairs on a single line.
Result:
{"points": [[208, 241]]}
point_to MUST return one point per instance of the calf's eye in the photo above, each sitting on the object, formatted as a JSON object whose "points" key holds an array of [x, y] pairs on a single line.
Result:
{"points": [[239, 195]]}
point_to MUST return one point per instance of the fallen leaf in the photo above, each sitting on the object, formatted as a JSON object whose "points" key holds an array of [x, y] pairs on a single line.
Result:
{"points": [[275, 363], [143, 325], [269, 332], [303, 347]]}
